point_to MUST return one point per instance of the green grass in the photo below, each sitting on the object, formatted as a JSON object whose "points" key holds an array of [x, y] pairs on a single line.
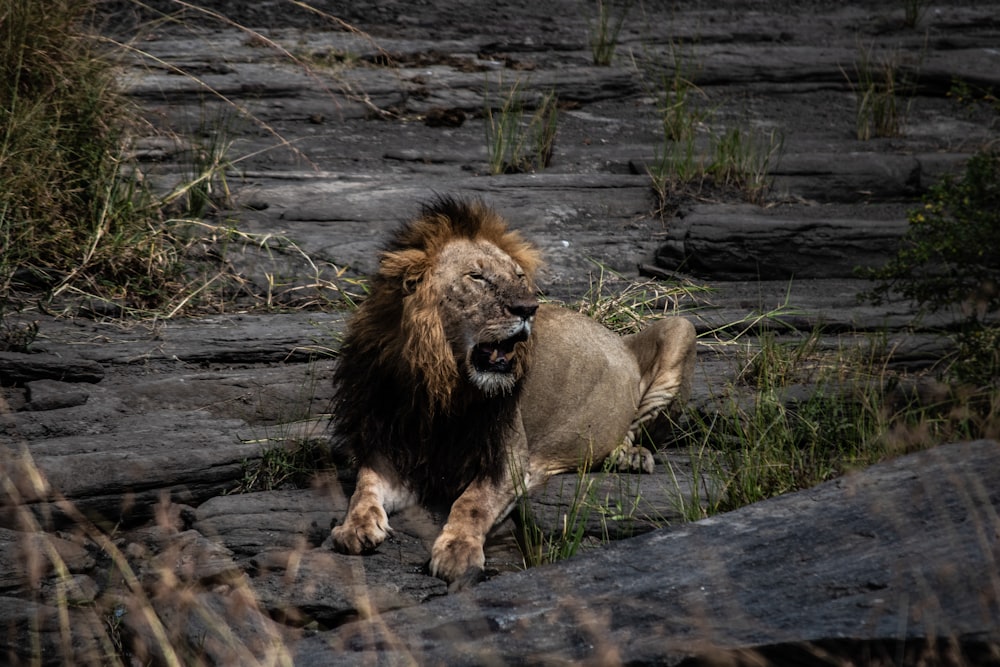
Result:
{"points": [[798, 415], [742, 160], [292, 463], [913, 12], [878, 86], [605, 30], [692, 152], [516, 140], [539, 547]]}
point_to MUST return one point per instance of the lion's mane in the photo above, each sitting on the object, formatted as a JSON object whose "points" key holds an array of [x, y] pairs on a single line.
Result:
{"points": [[399, 392]]}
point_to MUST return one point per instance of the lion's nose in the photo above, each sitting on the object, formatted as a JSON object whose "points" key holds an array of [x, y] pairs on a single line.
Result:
{"points": [[523, 309]]}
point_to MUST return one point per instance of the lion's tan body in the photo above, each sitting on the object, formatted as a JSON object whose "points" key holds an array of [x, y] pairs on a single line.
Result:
{"points": [[557, 389], [582, 392]]}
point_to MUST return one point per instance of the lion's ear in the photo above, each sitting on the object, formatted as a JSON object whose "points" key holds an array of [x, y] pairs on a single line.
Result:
{"points": [[524, 253], [407, 267]]}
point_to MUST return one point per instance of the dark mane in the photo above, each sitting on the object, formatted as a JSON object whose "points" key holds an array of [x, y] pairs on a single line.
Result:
{"points": [[424, 418]]}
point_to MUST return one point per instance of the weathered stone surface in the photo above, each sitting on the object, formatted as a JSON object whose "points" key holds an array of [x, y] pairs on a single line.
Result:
{"points": [[38, 633], [254, 522], [54, 395], [19, 367], [284, 539], [123, 471], [902, 552], [744, 243], [29, 558], [861, 176], [325, 589], [223, 626]]}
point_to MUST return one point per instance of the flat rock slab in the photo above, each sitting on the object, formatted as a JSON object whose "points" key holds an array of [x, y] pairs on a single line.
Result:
{"points": [[897, 560], [122, 467]]}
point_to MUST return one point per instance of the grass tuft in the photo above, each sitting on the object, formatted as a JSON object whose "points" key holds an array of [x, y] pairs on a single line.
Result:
{"points": [[879, 84], [737, 159], [605, 29], [73, 213], [518, 142]]}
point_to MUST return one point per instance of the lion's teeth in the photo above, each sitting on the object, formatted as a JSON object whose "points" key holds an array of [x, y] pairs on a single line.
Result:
{"points": [[494, 354]]}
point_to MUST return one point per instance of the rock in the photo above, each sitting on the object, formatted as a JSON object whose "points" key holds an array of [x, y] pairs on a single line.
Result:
{"points": [[284, 538], [187, 558], [54, 395], [898, 557], [254, 522], [326, 589], [864, 176], [121, 473], [33, 633], [223, 626], [237, 339], [98, 415], [20, 367], [272, 398], [29, 558], [744, 243], [47, 600]]}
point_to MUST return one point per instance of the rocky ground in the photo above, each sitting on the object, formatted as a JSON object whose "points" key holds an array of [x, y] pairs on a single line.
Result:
{"points": [[123, 441]]}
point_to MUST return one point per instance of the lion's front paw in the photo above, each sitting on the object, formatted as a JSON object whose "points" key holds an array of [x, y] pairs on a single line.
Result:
{"points": [[632, 459], [362, 531], [456, 557]]}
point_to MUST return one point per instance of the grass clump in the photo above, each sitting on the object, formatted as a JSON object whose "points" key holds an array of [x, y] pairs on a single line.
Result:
{"points": [[736, 159], [292, 464], [879, 83], [539, 547], [605, 29], [73, 214], [516, 141], [741, 159], [913, 12], [764, 439]]}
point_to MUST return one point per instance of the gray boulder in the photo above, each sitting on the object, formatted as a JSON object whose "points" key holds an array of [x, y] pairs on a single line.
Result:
{"points": [[897, 562]]}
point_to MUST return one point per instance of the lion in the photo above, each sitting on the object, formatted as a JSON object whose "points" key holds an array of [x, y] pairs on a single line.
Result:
{"points": [[455, 385]]}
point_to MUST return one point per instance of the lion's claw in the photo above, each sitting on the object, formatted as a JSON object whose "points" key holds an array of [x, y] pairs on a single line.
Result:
{"points": [[632, 459], [458, 559], [364, 535]]}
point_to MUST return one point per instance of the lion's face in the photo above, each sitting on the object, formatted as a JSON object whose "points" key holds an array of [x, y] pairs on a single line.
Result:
{"points": [[487, 305], [452, 305]]}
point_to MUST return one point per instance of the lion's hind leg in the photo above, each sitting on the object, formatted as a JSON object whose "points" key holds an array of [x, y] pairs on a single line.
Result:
{"points": [[665, 351]]}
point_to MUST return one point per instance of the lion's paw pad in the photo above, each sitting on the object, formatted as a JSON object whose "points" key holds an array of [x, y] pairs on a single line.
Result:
{"points": [[360, 535], [453, 557], [633, 459]]}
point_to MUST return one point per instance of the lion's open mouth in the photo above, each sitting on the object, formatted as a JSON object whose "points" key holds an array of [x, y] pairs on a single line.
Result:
{"points": [[497, 357]]}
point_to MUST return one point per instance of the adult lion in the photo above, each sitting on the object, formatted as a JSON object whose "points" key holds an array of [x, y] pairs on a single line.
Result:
{"points": [[454, 384]]}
